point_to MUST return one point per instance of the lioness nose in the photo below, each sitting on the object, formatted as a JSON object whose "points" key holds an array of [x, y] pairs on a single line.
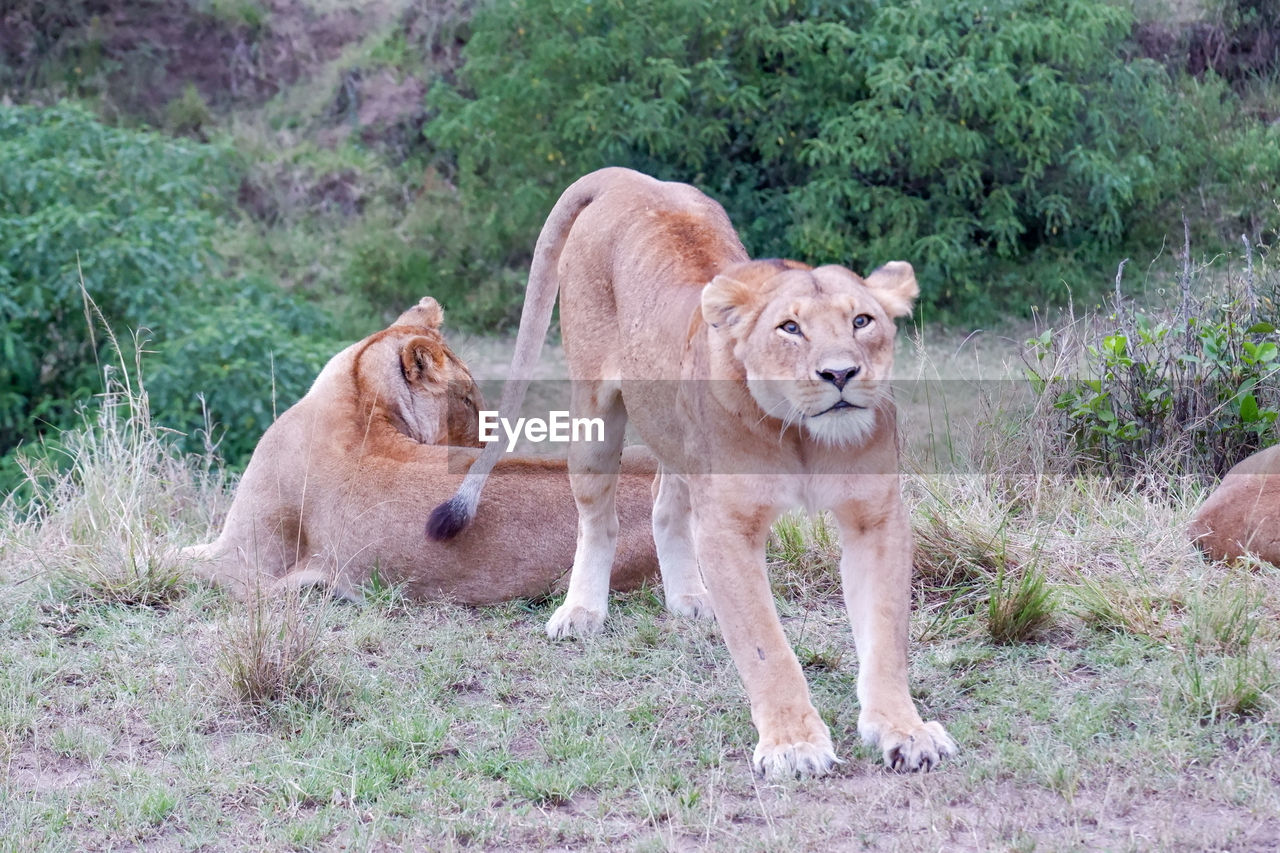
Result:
{"points": [[838, 378]]}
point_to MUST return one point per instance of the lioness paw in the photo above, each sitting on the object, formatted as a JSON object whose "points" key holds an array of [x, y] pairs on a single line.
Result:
{"points": [[920, 749], [795, 746], [574, 620], [788, 760], [697, 605]]}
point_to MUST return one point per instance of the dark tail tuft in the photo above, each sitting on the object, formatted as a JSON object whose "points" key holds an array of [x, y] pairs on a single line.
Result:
{"points": [[448, 519]]}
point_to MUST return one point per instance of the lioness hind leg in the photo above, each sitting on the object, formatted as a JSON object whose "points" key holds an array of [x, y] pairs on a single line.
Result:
{"points": [[673, 537], [306, 578], [593, 475], [221, 565], [875, 572]]}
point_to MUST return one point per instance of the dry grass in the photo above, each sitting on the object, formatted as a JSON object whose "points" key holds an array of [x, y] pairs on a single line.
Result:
{"points": [[98, 509], [273, 651]]}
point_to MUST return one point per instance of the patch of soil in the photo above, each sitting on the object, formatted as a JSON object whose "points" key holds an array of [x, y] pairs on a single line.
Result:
{"points": [[31, 770], [381, 105], [278, 195], [148, 54], [1198, 47]]}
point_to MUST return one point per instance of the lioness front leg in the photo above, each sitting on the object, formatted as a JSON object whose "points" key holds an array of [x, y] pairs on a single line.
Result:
{"points": [[730, 545], [875, 572], [593, 474]]}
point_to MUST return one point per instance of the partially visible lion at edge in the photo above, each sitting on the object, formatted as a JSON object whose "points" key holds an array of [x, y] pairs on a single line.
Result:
{"points": [[760, 386], [337, 486], [1242, 516]]}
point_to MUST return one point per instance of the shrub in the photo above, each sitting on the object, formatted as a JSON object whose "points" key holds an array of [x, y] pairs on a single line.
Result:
{"points": [[107, 232], [435, 251], [954, 134], [234, 364], [1188, 390], [272, 652], [1019, 609], [123, 214]]}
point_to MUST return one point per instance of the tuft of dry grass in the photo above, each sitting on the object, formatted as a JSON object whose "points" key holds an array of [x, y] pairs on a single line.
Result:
{"points": [[803, 554], [99, 509], [1216, 689], [1123, 608], [273, 651]]}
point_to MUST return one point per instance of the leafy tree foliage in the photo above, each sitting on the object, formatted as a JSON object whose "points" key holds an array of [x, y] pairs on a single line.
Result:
{"points": [[109, 229], [131, 212], [953, 133]]}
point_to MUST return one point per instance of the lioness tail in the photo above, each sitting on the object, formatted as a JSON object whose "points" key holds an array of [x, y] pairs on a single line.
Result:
{"points": [[452, 517]]}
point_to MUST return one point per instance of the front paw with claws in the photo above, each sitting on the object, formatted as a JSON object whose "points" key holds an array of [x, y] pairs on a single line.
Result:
{"points": [[906, 751], [791, 748], [572, 620]]}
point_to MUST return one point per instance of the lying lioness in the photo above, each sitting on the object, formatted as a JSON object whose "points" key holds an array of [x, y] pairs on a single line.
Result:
{"points": [[336, 487], [1242, 516], [760, 386]]}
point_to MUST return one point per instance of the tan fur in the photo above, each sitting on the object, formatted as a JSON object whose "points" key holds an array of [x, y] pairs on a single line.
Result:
{"points": [[336, 485], [1242, 516], [668, 324]]}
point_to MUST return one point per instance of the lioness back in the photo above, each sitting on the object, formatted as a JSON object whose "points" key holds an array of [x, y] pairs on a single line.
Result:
{"points": [[1242, 516]]}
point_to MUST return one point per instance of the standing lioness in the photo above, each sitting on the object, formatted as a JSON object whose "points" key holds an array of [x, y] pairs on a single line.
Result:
{"points": [[760, 386]]}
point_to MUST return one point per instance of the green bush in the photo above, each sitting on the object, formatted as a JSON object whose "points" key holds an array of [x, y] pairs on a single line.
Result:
{"points": [[1235, 166], [234, 364], [1158, 395], [957, 135], [435, 251], [106, 235], [129, 215]]}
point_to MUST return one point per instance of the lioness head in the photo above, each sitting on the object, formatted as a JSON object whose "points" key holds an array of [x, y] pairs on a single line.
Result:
{"points": [[408, 374], [815, 346]]}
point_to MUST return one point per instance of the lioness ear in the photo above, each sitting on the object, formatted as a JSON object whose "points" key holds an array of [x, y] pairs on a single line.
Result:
{"points": [[426, 313], [724, 299], [894, 287], [432, 313], [422, 360]]}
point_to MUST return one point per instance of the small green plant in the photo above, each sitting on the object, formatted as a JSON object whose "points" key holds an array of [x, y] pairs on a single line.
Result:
{"points": [[1119, 608], [820, 659], [804, 556], [1019, 607], [251, 14], [387, 597], [188, 114], [1226, 618], [1184, 391], [1214, 688]]}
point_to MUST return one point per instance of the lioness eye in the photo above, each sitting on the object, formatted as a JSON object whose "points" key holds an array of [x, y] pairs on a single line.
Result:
{"points": [[862, 321], [791, 327]]}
